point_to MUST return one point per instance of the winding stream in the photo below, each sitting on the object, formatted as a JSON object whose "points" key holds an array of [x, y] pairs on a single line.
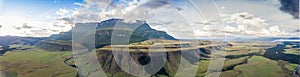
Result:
{"points": [[69, 58]]}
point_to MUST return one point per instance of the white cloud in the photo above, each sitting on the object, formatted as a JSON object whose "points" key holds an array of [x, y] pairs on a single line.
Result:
{"points": [[62, 12], [202, 33], [98, 10], [264, 9], [25, 25], [275, 2], [158, 12], [78, 4], [248, 24], [17, 26]]}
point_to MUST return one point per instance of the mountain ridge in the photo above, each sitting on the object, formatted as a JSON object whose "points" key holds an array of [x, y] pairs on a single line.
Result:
{"points": [[105, 30]]}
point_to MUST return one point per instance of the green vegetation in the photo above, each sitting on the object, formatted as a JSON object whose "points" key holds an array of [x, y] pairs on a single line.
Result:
{"points": [[202, 67], [257, 66], [231, 62], [241, 50], [291, 51], [156, 45], [247, 60], [36, 63], [159, 42], [242, 60], [291, 67]]}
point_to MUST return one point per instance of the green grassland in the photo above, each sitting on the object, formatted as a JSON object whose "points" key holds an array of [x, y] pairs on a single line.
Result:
{"points": [[159, 42], [156, 45], [241, 50], [248, 61], [230, 62], [202, 67], [259, 67], [245, 61], [36, 63], [291, 51], [291, 66]]}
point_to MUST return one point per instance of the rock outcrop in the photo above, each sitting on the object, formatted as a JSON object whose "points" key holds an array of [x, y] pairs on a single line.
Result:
{"points": [[140, 54]]}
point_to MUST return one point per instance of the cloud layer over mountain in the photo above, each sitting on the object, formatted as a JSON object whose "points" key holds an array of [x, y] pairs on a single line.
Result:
{"points": [[178, 18], [172, 17]]}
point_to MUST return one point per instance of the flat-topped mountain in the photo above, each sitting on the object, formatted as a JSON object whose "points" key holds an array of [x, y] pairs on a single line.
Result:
{"points": [[138, 31]]}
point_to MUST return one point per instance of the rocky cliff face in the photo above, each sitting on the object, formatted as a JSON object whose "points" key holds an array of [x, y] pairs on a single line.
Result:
{"points": [[139, 48], [140, 54], [138, 31], [55, 45]]}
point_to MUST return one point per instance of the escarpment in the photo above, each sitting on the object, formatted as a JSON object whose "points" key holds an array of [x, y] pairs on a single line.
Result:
{"points": [[55, 45], [140, 54], [142, 40]]}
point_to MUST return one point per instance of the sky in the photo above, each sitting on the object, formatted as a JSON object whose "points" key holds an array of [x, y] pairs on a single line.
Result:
{"points": [[32, 17], [179, 18]]}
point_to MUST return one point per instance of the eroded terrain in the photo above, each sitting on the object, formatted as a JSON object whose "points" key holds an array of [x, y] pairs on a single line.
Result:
{"points": [[242, 59]]}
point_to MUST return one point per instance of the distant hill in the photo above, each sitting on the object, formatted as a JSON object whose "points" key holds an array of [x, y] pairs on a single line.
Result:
{"points": [[251, 39], [140, 30], [277, 38], [5, 41]]}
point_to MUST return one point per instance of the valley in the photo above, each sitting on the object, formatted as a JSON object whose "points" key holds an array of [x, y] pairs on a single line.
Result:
{"points": [[242, 59]]}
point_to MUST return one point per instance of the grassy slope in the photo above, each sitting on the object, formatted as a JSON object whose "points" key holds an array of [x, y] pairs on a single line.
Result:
{"points": [[40, 63], [36, 63], [291, 51], [257, 67]]}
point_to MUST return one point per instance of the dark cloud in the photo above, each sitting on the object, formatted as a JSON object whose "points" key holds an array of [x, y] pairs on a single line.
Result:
{"points": [[0, 26], [291, 7]]}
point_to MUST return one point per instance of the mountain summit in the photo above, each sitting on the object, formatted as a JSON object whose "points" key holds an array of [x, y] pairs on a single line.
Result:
{"points": [[138, 31]]}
